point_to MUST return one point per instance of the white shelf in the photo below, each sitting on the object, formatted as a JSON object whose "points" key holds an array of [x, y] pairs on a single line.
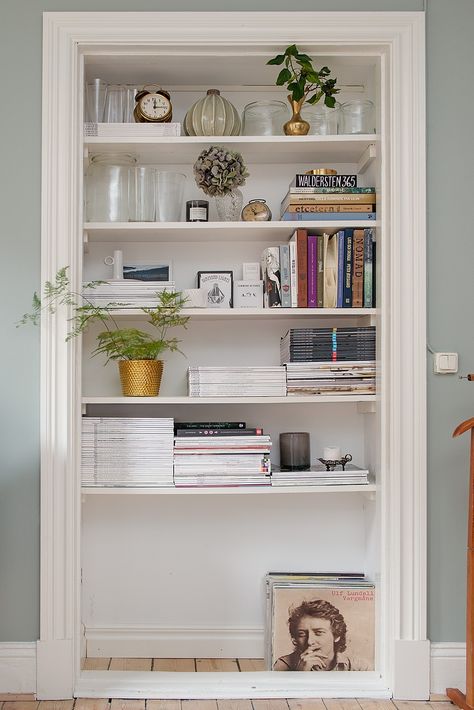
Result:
{"points": [[309, 399], [211, 231], [183, 150], [234, 490], [256, 313]]}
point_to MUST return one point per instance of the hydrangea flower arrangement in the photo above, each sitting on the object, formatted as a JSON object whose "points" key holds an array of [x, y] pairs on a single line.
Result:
{"points": [[218, 171]]}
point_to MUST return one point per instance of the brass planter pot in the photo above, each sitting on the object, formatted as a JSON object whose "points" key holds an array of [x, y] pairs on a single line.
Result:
{"points": [[140, 378], [296, 126]]}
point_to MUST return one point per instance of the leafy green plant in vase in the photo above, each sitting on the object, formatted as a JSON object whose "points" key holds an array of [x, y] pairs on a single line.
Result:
{"points": [[138, 352], [304, 84]]}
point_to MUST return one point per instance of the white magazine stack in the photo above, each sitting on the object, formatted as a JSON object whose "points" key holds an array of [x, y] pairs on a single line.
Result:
{"points": [[237, 381], [125, 451], [127, 293]]}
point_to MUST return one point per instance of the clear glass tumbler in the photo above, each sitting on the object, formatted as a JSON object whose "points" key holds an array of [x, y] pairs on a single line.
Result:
{"points": [[96, 94], [106, 187], [115, 104], [358, 116], [265, 118], [142, 193], [323, 121], [169, 196]]}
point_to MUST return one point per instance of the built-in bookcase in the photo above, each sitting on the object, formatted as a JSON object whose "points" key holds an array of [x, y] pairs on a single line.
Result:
{"points": [[179, 573]]}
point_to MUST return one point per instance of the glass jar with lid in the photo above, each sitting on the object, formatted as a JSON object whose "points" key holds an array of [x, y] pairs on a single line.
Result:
{"points": [[323, 121], [358, 116], [265, 118], [107, 187]]}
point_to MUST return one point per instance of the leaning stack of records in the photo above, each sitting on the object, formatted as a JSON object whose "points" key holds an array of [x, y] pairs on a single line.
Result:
{"points": [[318, 476], [328, 344], [222, 460], [121, 451], [237, 382], [138, 130], [319, 622], [126, 293], [348, 377]]}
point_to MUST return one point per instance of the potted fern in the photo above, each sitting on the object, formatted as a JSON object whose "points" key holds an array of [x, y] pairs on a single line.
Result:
{"points": [[138, 352]]}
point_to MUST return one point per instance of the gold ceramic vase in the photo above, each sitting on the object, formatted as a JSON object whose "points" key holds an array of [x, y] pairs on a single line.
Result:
{"points": [[140, 378], [296, 126]]}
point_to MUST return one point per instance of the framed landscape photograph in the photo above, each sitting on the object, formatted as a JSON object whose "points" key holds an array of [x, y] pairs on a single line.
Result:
{"points": [[316, 628], [147, 272], [219, 288]]}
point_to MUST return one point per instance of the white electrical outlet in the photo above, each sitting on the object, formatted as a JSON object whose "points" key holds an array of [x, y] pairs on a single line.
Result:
{"points": [[445, 363]]}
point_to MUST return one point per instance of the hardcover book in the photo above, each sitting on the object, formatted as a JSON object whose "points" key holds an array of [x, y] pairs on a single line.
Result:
{"points": [[271, 275], [310, 180], [330, 271], [312, 271], [285, 275], [358, 269], [327, 216]]}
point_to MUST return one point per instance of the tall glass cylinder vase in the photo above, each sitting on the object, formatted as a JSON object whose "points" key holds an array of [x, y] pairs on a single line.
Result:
{"points": [[229, 205]]}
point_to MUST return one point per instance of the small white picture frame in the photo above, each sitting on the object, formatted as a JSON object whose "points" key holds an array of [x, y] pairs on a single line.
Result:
{"points": [[219, 288], [142, 271]]}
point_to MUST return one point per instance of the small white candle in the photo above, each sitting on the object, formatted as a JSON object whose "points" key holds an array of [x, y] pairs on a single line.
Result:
{"points": [[332, 453]]}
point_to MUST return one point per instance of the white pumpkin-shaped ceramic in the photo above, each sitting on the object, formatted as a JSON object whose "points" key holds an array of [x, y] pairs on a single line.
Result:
{"points": [[213, 115]]}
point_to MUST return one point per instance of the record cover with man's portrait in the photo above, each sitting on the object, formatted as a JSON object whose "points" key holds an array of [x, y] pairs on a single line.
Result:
{"points": [[331, 628]]}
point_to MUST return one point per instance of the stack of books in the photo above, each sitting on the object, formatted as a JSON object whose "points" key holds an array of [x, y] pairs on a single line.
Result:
{"points": [[237, 381], [126, 293], [349, 377], [315, 345], [217, 455], [138, 130], [122, 451], [318, 476], [328, 197], [321, 270]]}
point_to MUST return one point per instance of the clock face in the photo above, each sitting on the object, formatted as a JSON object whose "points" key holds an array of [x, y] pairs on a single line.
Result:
{"points": [[154, 106], [256, 211]]}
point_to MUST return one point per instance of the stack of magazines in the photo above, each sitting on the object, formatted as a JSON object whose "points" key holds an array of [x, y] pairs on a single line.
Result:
{"points": [[328, 344], [126, 293], [340, 605], [348, 377], [318, 476], [122, 451], [237, 382], [221, 457]]}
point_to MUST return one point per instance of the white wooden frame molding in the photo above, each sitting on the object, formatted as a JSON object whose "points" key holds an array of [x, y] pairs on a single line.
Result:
{"points": [[398, 39]]}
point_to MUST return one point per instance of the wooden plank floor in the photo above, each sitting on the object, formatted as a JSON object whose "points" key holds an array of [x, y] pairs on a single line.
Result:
{"points": [[27, 702]]}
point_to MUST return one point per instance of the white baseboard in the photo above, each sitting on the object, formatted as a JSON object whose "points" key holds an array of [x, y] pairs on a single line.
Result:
{"points": [[448, 666], [17, 667], [159, 642]]}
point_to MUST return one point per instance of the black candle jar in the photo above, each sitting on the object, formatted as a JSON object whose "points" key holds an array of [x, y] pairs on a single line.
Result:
{"points": [[197, 211]]}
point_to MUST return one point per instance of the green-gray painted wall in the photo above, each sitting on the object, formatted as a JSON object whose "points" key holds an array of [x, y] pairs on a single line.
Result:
{"points": [[450, 111]]}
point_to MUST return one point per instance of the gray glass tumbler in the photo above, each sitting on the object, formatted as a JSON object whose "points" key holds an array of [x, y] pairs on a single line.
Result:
{"points": [[295, 451]]}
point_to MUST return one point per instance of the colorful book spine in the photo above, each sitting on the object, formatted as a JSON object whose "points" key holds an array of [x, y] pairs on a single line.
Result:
{"points": [[368, 266], [300, 236], [271, 277], [331, 190], [209, 425], [183, 433], [330, 271], [320, 270], [331, 181], [285, 276], [358, 269], [327, 216], [347, 296], [293, 274], [340, 268], [312, 271], [329, 207]]}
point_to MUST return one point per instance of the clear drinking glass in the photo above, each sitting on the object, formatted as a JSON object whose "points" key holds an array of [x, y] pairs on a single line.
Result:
{"points": [[358, 116], [295, 451], [96, 94], [265, 118], [115, 105], [323, 121], [169, 196], [106, 187], [142, 193], [129, 103]]}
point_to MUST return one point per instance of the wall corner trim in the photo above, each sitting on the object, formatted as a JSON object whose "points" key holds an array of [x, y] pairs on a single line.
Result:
{"points": [[448, 666]]}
